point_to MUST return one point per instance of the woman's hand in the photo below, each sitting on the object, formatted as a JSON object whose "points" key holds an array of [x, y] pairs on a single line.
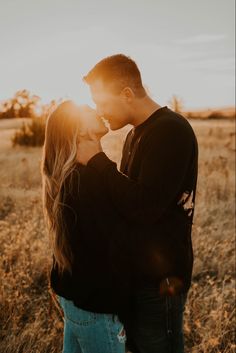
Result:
{"points": [[88, 147]]}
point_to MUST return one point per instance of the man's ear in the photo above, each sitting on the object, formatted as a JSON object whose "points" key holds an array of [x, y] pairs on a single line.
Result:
{"points": [[128, 94]]}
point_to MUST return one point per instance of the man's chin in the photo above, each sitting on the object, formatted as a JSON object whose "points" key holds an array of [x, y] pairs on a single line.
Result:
{"points": [[103, 132], [115, 127]]}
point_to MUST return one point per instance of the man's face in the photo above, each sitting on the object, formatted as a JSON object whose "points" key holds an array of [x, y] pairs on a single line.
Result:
{"points": [[113, 107]]}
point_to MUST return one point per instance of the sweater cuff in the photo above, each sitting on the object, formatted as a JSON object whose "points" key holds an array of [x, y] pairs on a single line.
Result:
{"points": [[100, 162]]}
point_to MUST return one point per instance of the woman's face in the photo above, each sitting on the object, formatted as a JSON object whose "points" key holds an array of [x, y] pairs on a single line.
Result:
{"points": [[91, 122]]}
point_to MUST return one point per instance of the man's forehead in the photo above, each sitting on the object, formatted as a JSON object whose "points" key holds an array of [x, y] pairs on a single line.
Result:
{"points": [[97, 84], [99, 90]]}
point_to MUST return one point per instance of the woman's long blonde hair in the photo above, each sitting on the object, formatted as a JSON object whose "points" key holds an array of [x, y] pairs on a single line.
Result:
{"points": [[58, 164]]}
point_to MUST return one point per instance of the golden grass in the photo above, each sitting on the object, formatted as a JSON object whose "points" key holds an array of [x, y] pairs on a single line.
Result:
{"points": [[30, 323]]}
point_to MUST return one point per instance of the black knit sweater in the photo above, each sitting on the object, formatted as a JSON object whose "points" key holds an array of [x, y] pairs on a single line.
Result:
{"points": [[92, 285]]}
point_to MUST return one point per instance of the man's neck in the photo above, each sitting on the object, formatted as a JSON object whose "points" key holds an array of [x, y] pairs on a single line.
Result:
{"points": [[143, 109]]}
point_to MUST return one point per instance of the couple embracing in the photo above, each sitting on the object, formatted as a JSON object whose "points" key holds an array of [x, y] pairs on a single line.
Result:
{"points": [[122, 253]]}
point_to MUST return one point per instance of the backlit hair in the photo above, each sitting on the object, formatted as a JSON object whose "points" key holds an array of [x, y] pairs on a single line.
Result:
{"points": [[117, 72], [58, 167]]}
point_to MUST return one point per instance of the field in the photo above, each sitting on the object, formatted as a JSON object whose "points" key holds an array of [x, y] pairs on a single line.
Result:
{"points": [[30, 322]]}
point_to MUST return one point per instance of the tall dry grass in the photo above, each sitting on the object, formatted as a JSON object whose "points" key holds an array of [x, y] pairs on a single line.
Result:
{"points": [[30, 323]]}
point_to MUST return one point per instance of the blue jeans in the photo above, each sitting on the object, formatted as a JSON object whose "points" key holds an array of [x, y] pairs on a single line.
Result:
{"points": [[156, 325], [89, 332]]}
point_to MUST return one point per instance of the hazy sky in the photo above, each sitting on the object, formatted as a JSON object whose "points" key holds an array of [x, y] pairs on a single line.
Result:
{"points": [[182, 47]]}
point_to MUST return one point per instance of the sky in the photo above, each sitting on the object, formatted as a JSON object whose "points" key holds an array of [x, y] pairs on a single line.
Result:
{"points": [[182, 47]]}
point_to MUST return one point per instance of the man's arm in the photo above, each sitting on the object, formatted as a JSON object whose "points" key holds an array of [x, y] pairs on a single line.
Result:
{"points": [[167, 153]]}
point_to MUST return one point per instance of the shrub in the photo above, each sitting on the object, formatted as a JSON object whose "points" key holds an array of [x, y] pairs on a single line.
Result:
{"points": [[216, 115], [30, 134]]}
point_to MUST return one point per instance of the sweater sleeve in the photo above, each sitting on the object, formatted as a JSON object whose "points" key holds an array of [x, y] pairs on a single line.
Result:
{"points": [[166, 155]]}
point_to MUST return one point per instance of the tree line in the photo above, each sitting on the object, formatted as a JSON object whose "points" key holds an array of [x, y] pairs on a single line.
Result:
{"points": [[24, 105]]}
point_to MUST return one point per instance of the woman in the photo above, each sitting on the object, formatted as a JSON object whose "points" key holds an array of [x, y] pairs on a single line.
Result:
{"points": [[82, 273]]}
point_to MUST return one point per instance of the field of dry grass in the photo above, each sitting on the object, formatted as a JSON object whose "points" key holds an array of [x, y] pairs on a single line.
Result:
{"points": [[30, 323]]}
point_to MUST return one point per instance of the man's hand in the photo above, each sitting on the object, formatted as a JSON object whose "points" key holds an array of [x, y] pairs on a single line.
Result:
{"points": [[88, 147]]}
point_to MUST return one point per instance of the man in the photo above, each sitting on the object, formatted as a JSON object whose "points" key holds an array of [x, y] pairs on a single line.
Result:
{"points": [[154, 192]]}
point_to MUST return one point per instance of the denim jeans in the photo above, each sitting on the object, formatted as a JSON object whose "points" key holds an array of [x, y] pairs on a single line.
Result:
{"points": [[89, 332], [156, 325]]}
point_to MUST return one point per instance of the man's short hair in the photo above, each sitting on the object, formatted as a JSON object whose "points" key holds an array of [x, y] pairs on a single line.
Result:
{"points": [[117, 72]]}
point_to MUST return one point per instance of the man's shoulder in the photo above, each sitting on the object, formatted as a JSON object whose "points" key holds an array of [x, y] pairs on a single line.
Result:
{"points": [[168, 121], [169, 126], [171, 117]]}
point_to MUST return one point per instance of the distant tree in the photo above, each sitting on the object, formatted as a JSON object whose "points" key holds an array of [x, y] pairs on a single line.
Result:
{"points": [[7, 110], [32, 133], [176, 104], [23, 104]]}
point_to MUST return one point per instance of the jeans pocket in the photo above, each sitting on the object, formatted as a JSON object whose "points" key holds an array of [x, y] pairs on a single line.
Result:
{"points": [[77, 315]]}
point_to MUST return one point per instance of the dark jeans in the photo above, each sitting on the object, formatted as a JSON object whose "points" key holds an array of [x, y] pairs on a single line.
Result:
{"points": [[156, 325]]}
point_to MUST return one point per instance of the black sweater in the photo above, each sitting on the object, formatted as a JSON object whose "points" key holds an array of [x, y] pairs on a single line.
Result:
{"points": [[131, 230], [92, 285], [159, 166]]}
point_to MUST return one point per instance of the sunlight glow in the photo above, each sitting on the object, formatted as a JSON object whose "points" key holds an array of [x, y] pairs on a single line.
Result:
{"points": [[57, 43]]}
